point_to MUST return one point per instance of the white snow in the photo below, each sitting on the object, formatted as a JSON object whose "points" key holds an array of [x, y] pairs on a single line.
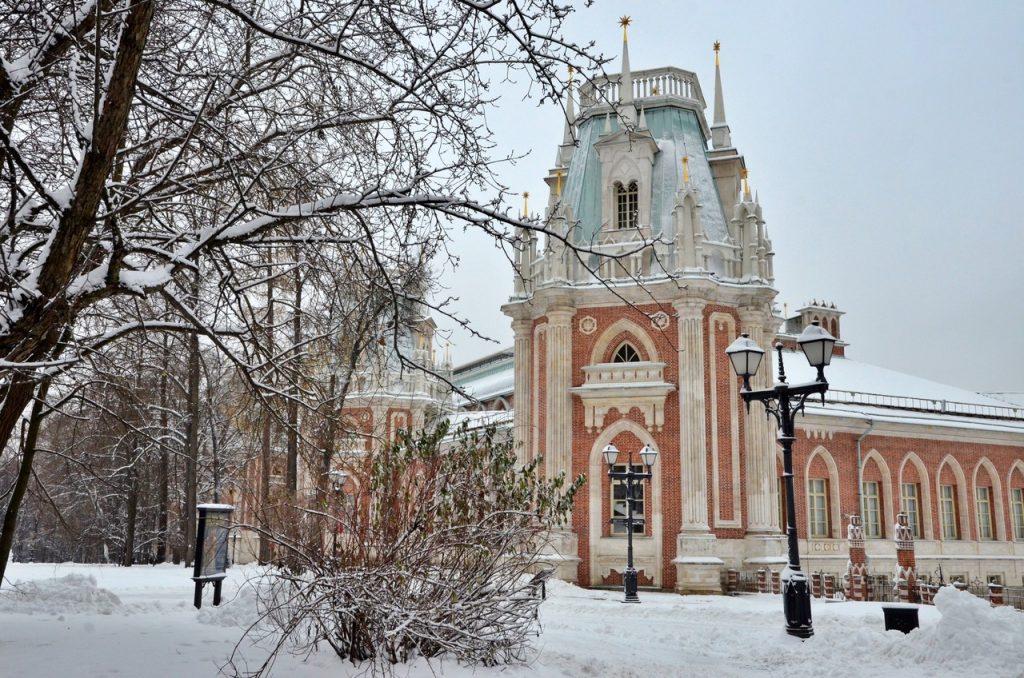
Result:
{"points": [[89, 620]]}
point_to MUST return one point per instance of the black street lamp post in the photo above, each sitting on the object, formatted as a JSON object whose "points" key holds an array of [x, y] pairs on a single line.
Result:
{"points": [[783, 402], [631, 479]]}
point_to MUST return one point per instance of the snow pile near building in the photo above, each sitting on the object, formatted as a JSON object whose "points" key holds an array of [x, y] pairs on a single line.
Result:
{"points": [[972, 636], [72, 593]]}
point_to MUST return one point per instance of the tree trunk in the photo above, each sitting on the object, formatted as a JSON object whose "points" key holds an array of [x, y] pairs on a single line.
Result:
{"points": [[265, 449], [292, 480], [128, 557], [24, 474], [192, 444], [161, 544]]}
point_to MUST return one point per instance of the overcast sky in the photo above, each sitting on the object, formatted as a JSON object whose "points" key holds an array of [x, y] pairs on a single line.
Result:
{"points": [[886, 140]]}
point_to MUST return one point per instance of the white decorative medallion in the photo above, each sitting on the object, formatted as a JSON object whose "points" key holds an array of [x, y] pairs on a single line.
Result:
{"points": [[588, 324], [660, 320]]}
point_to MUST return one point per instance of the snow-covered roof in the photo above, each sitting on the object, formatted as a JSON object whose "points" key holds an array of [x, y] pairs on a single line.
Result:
{"points": [[487, 377], [846, 374], [864, 391], [480, 419]]}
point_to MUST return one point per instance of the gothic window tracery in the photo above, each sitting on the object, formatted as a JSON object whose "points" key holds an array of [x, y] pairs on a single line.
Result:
{"points": [[626, 354], [627, 205]]}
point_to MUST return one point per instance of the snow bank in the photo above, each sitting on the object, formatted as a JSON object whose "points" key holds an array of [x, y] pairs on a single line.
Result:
{"points": [[240, 610], [971, 636], [73, 593]]}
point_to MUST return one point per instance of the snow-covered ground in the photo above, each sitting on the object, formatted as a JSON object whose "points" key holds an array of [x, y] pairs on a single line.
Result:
{"points": [[86, 620]]}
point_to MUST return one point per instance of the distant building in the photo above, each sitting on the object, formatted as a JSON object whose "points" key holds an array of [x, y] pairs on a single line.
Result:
{"points": [[635, 356]]}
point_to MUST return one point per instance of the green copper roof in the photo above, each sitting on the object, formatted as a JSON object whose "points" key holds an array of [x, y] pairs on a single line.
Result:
{"points": [[677, 133]]}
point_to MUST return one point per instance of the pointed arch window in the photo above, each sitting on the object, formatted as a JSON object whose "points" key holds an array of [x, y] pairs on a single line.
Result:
{"points": [[627, 203], [626, 354]]}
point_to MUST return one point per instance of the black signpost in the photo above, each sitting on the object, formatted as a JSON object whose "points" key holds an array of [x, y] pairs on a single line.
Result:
{"points": [[211, 549]]}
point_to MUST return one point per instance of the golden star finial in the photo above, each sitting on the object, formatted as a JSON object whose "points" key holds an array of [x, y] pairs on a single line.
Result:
{"points": [[526, 204], [625, 21], [718, 45]]}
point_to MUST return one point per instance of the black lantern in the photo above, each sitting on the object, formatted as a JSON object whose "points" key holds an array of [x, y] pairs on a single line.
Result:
{"points": [[745, 356], [817, 345]]}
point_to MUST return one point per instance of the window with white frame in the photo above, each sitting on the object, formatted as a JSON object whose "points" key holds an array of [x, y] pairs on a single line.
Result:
{"points": [[817, 504], [1017, 502], [910, 500], [627, 201], [984, 506], [872, 510], [947, 512], [620, 509]]}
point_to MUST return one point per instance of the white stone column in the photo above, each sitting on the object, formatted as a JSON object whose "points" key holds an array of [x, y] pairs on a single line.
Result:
{"points": [[697, 561], [523, 333], [762, 486], [558, 432], [692, 425]]}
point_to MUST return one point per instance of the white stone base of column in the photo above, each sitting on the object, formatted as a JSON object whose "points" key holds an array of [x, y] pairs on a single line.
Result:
{"points": [[561, 551], [764, 550], [698, 569]]}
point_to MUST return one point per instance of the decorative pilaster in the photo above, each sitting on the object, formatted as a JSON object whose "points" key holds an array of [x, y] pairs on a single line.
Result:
{"points": [[765, 543], [558, 438], [762, 487], [693, 452], [697, 563], [905, 576], [855, 580], [522, 331]]}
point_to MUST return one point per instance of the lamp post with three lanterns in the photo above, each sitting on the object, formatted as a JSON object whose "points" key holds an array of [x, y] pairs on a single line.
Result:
{"points": [[631, 479], [783, 402]]}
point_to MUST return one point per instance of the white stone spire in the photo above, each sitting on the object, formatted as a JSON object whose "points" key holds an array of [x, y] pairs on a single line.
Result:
{"points": [[627, 111], [720, 137], [568, 146], [570, 113]]}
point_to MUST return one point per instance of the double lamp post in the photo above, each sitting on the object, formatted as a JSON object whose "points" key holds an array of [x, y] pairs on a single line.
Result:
{"points": [[632, 480], [783, 402]]}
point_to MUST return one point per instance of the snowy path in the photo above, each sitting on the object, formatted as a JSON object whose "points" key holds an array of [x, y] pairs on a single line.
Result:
{"points": [[149, 628]]}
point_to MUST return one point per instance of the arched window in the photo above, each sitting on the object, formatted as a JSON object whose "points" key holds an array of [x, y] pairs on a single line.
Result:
{"points": [[627, 205], [626, 354]]}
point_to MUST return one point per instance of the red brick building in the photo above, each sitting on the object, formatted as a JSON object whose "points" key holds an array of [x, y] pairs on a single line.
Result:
{"points": [[622, 341]]}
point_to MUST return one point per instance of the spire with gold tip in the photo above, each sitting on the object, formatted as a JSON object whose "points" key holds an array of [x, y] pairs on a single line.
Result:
{"points": [[720, 137], [526, 204], [626, 111], [686, 169], [570, 111]]}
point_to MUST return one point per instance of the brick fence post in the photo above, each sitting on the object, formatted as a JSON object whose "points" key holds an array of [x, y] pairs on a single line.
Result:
{"points": [[995, 594], [776, 582], [816, 584], [857, 565], [732, 581], [905, 576], [762, 581], [830, 586]]}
